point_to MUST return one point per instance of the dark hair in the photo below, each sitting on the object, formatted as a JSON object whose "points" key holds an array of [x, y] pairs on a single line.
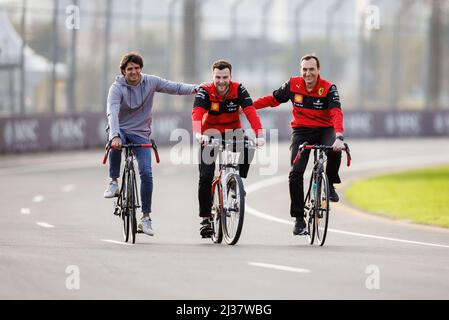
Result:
{"points": [[309, 56], [221, 64], [133, 57]]}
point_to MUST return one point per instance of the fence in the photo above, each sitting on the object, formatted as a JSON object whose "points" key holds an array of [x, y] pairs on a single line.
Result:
{"points": [[81, 131], [383, 55]]}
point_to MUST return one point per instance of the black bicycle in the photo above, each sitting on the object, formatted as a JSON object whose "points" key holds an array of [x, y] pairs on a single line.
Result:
{"points": [[228, 194], [316, 203], [128, 198]]}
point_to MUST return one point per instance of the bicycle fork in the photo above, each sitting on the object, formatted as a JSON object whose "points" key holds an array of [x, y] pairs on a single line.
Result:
{"points": [[229, 203]]}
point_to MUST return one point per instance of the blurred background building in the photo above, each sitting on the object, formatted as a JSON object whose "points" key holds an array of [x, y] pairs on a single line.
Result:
{"points": [[61, 56]]}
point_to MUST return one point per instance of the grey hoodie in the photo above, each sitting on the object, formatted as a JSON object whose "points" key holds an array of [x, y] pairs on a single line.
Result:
{"points": [[125, 110]]}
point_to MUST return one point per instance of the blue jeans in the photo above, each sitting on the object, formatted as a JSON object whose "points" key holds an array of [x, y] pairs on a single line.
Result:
{"points": [[143, 156]]}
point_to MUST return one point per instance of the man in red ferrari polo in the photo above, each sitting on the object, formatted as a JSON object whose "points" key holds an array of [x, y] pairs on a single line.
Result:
{"points": [[216, 111], [317, 119]]}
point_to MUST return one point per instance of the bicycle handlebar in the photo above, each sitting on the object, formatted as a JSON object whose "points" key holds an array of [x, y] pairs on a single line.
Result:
{"points": [[152, 145], [306, 146]]}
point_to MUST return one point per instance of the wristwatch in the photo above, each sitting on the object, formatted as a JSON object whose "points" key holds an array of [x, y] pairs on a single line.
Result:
{"points": [[340, 138]]}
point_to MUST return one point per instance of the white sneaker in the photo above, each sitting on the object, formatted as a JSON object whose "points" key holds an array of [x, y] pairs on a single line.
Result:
{"points": [[112, 190], [146, 226]]}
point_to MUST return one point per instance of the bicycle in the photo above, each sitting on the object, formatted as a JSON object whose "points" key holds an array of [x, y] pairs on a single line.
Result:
{"points": [[128, 198], [228, 194], [316, 203]]}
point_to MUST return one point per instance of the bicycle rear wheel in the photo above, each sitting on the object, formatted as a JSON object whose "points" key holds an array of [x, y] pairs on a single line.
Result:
{"points": [[234, 212], [322, 213], [217, 204], [131, 204]]}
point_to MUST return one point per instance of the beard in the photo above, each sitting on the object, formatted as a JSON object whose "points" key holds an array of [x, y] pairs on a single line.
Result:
{"points": [[222, 88]]}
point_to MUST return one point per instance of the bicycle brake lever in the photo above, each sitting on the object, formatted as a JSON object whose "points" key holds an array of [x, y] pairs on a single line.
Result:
{"points": [[156, 153], [348, 155], [108, 147]]}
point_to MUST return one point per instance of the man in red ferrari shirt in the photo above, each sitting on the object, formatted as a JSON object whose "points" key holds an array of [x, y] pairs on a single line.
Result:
{"points": [[317, 119], [216, 111]]}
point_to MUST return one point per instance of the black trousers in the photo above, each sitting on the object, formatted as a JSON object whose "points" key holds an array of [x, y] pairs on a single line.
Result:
{"points": [[207, 159], [325, 136]]}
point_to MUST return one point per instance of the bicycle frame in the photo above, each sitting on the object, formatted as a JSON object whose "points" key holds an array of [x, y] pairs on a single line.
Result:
{"points": [[230, 163], [319, 159], [129, 170]]}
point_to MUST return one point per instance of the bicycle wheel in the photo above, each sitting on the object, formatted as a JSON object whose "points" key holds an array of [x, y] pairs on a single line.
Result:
{"points": [[217, 203], [234, 212], [131, 205], [309, 214], [322, 213], [124, 210]]}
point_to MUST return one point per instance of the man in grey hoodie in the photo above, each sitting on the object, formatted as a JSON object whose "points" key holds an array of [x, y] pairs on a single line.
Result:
{"points": [[129, 112]]}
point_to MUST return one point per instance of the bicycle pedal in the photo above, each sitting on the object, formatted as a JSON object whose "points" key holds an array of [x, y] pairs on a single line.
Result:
{"points": [[206, 233]]}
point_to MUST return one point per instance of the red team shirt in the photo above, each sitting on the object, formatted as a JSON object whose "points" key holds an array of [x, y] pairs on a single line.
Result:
{"points": [[319, 108], [212, 111]]}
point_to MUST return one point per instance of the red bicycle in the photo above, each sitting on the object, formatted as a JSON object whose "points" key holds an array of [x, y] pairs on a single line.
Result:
{"points": [[228, 194]]}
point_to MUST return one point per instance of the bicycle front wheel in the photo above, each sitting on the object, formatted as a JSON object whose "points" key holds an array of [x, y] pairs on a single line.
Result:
{"points": [[124, 209], [322, 213], [234, 211], [217, 204], [131, 205]]}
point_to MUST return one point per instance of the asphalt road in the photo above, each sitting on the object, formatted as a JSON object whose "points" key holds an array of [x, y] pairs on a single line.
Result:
{"points": [[59, 239]]}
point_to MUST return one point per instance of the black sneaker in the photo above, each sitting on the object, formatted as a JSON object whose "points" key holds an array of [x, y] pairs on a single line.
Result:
{"points": [[206, 229], [333, 196], [300, 228]]}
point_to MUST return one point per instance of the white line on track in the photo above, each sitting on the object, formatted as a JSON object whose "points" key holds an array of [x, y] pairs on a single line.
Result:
{"points": [[387, 238], [25, 211], [278, 267], [275, 180], [117, 242], [38, 198], [45, 225]]}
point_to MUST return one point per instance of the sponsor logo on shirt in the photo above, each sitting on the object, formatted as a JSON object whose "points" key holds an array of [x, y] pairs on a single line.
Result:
{"points": [[318, 104], [320, 91], [215, 106], [232, 107], [298, 98]]}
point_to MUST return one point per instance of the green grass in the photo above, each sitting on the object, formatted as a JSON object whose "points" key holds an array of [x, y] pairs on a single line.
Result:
{"points": [[420, 196]]}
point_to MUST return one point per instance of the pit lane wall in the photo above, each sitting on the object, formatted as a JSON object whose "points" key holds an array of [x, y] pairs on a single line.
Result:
{"points": [[83, 131]]}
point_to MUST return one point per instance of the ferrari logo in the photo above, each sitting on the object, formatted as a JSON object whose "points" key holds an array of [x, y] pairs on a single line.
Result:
{"points": [[298, 98], [215, 106], [320, 91]]}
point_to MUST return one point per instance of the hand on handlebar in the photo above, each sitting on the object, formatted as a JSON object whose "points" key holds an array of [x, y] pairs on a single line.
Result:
{"points": [[338, 145], [260, 141], [116, 143]]}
